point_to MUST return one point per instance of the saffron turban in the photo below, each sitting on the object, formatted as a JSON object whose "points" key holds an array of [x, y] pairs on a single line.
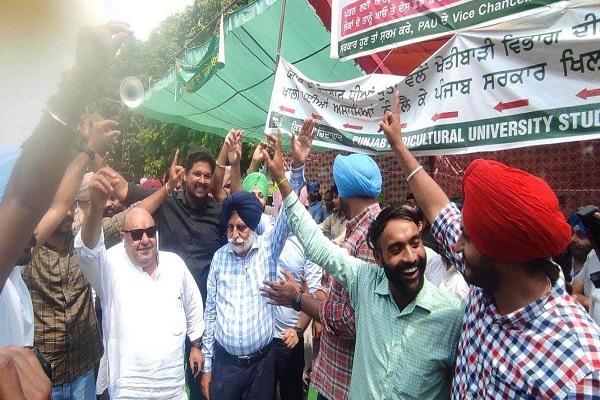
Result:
{"points": [[246, 205], [510, 215], [356, 175], [256, 179]]}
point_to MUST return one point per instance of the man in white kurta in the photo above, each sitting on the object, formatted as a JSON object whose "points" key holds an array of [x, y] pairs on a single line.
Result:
{"points": [[150, 302]]}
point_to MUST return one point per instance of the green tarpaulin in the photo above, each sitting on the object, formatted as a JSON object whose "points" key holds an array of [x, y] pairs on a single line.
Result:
{"points": [[238, 95]]}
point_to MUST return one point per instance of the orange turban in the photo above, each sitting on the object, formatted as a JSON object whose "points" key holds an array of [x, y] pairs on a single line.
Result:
{"points": [[510, 215]]}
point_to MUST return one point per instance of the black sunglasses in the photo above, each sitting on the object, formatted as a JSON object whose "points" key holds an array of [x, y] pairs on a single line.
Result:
{"points": [[137, 234]]}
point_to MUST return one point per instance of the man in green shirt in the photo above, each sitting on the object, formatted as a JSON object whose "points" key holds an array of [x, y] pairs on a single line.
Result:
{"points": [[407, 330]]}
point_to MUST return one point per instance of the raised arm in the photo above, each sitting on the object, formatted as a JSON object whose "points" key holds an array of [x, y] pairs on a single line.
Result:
{"points": [[234, 156], [89, 243], [228, 150], [428, 194], [101, 187], [45, 154], [152, 202], [317, 247], [97, 136], [257, 160], [300, 151]]}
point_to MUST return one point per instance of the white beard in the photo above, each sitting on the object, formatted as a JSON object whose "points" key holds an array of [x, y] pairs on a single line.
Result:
{"points": [[242, 247]]}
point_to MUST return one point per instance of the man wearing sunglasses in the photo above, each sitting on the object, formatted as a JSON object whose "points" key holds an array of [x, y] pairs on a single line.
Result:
{"points": [[150, 303]]}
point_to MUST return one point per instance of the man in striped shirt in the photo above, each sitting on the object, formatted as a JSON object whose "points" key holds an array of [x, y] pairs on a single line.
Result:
{"points": [[523, 336], [237, 343]]}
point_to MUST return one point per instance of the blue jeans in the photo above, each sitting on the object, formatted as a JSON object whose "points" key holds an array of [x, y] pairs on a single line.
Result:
{"points": [[81, 388]]}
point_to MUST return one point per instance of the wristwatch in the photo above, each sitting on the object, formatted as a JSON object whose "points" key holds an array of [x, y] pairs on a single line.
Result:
{"points": [[299, 332], [297, 302], [89, 152]]}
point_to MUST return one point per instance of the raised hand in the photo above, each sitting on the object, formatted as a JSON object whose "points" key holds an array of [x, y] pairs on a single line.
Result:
{"points": [[230, 139], [391, 125], [234, 153], [301, 143], [97, 46], [101, 186], [273, 155], [175, 173], [101, 133], [99, 162], [257, 156]]}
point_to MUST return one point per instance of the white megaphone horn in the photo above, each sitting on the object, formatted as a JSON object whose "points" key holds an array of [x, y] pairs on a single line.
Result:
{"points": [[131, 92]]}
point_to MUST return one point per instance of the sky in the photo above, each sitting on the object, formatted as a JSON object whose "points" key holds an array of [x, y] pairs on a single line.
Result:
{"points": [[37, 43]]}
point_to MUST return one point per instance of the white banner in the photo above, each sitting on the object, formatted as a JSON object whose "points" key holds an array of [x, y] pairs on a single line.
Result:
{"points": [[526, 82], [339, 109]]}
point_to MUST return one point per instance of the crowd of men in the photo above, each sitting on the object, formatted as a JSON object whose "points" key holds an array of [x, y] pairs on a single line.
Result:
{"points": [[198, 288]]}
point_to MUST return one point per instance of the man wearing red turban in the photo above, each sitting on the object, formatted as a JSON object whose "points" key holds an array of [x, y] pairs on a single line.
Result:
{"points": [[523, 336]]}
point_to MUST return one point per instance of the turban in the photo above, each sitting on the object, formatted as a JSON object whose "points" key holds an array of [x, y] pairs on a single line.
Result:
{"points": [[246, 205], [510, 215], [313, 187], [356, 175], [256, 179], [577, 223], [152, 184]]}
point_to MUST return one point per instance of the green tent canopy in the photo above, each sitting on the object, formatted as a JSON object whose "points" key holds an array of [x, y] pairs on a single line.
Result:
{"points": [[238, 95]]}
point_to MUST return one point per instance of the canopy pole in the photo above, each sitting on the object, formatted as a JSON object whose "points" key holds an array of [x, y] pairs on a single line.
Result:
{"points": [[281, 21]]}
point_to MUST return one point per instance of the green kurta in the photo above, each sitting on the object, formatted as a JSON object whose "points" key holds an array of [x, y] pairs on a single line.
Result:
{"points": [[400, 354]]}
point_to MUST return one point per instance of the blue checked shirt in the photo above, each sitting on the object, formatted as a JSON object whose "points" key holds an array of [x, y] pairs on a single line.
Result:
{"points": [[236, 314], [549, 349]]}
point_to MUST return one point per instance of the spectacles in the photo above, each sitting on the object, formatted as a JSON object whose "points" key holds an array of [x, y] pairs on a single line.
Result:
{"points": [[207, 176], [138, 234]]}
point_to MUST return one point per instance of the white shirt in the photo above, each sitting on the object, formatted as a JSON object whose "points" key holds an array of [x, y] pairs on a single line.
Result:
{"points": [[448, 279], [16, 312], [265, 225], [293, 260], [144, 321], [591, 266]]}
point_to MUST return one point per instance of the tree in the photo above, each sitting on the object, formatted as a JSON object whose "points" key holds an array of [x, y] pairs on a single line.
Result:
{"points": [[148, 145]]}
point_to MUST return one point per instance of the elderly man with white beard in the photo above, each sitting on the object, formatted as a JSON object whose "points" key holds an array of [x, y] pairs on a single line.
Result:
{"points": [[237, 344]]}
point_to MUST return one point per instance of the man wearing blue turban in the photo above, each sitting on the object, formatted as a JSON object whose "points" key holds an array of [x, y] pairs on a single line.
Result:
{"points": [[238, 339], [357, 175]]}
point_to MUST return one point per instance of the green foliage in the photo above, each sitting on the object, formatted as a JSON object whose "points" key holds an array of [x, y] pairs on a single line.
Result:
{"points": [[148, 146]]}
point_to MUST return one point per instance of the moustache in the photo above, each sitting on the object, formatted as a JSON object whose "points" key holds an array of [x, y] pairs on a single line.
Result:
{"points": [[238, 241]]}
